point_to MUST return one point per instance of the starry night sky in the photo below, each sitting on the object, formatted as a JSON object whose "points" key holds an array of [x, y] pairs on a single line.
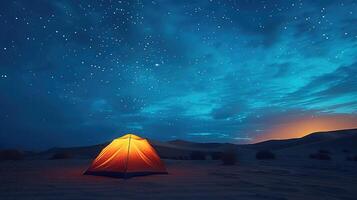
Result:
{"points": [[85, 72]]}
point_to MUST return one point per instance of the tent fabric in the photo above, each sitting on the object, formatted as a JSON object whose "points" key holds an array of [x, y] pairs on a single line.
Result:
{"points": [[127, 156]]}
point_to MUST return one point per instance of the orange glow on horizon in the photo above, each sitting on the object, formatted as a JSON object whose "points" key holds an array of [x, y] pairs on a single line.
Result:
{"points": [[305, 126]]}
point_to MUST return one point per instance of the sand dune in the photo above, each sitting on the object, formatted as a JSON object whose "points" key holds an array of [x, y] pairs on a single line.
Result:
{"points": [[332, 139], [337, 142], [172, 149]]}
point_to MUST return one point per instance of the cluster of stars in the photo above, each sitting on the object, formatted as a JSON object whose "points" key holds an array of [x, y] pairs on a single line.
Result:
{"points": [[173, 59]]}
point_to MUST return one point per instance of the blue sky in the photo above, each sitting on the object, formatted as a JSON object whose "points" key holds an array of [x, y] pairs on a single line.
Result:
{"points": [[228, 71]]}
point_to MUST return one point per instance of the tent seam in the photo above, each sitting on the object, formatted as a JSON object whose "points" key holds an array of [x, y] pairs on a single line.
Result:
{"points": [[127, 158]]}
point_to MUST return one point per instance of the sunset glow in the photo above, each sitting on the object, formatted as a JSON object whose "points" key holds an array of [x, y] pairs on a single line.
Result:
{"points": [[305, 126]]}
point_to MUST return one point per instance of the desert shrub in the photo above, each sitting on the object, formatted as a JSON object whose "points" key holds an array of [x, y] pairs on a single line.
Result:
{"points": [[164, 157], [182, 158], [320, 156], [346, 151], [208, 157], [197, 155], [229, 157], [352, 158], [323, 151], [216, 155], [61, 155], [11, 154], [265, 155]]}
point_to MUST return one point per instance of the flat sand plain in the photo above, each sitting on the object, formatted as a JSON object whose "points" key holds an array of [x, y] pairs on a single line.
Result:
{"points": [[269, 180]]}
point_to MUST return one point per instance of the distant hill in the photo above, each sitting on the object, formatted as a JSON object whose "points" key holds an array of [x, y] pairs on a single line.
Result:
{"points": [[339, 140], [177, 149], [78, 152], [187, 144]]}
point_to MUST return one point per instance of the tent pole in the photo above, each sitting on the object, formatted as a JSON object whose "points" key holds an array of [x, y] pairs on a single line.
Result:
{"points": [[127, 157]]}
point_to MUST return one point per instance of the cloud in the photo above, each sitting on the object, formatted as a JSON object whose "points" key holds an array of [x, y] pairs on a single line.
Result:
{"points": [[226, 111], [330, 85], [282, 69], [269, 26]]}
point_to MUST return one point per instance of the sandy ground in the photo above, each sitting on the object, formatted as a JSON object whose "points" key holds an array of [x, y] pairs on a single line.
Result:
{"points": [[62, 179]]}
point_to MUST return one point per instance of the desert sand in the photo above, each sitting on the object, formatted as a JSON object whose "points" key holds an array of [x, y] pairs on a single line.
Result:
{"points": [[249, 179]]}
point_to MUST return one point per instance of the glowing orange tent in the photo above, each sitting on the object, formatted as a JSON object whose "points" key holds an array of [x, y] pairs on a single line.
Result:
{"points": [[125, 157]]}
